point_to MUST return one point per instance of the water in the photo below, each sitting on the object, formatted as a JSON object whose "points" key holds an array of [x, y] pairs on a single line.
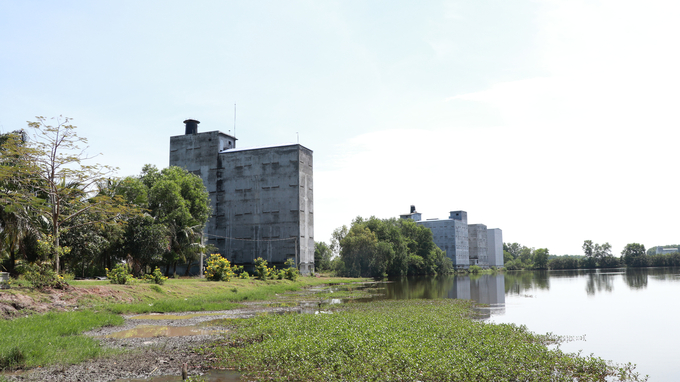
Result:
{"points": [[618, 314]]}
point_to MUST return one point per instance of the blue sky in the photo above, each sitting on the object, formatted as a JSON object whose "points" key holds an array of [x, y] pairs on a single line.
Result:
{"points": [[553, 120]]}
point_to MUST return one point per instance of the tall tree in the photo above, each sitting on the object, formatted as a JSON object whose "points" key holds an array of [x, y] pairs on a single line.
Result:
{"points": [[51, 178], [634, 255]]}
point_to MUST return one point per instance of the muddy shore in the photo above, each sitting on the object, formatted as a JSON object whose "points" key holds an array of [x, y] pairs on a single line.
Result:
{"points": [[155, 354]]}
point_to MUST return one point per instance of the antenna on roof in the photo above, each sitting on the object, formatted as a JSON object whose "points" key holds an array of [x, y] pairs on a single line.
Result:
{"points": [[234, 120]]}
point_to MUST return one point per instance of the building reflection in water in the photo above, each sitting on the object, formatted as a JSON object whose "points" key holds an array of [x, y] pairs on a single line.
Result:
{"points": [[488, 290]]}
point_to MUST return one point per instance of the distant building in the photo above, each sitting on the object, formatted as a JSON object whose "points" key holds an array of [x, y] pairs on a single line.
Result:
{"points": [[660, 250], [465, 244], [261, 198]]}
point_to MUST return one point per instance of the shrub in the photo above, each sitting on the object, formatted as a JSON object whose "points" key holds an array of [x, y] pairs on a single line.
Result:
{"points": [[218, 268], [120, 275], [41, 276], [244, 275], [261, 270], [474, 269], [291, 273], [156, 277]]}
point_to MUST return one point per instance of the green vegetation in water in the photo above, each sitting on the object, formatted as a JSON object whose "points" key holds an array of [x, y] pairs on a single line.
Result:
{"points": [[41, 340], [406, 340]]}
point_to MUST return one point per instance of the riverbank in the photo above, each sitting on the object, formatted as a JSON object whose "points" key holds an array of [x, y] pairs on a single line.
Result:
{"points": [[44, 328], [427, 340]]}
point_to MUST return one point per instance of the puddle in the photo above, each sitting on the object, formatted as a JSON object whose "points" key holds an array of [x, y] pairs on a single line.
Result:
{"points": [[211, 376], [151, 331], [159, 316]]}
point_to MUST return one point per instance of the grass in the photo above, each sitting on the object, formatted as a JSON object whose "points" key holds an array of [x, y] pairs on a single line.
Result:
{"points": [[39, 340], [404, 340], [55, 337]]}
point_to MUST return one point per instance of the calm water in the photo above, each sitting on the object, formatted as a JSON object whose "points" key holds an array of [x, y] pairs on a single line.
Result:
{"points": [[620, 315]]}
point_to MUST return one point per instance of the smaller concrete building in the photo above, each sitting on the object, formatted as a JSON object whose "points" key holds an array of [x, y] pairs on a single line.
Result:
{"points": [[465, 244]]}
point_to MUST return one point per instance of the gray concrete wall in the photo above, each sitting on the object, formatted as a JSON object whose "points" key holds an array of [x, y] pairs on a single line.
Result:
{"points": [[450, 236], [494, 247], [477, 240], [261, 199]]}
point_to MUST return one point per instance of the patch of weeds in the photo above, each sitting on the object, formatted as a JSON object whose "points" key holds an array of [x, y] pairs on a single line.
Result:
{"points": [[405, 340], [156, 288]]}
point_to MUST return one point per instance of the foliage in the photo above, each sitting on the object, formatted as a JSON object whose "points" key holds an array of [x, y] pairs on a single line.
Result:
{"points": [[156, 277], [290, 272], [389, 247], [388, 340], [540, 258], [633, 254], [41, 276], [322, 257], [120, 275], [262, 272], [564, 262], [179, 201], [51, 182], [474, 269], [218, 268], [40, 340]]}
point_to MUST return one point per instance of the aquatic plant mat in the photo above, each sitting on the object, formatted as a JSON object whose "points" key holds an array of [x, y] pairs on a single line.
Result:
{"points": [[403, 340]]}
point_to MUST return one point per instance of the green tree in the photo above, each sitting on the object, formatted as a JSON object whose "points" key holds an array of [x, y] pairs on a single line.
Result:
{"points": [[178, 200], [51, 178], [322, 256], [633, 255], [540, 258]]}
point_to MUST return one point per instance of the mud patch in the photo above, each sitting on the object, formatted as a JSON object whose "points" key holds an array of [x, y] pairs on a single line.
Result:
{"points": [[160, 316], [152, 331]]}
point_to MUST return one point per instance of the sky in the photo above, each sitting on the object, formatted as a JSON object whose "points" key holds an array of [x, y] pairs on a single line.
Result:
{"points": [[555, 121]]}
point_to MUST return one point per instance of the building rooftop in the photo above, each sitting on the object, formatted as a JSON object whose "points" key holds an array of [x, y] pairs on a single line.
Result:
{"points": [[261, 147]]}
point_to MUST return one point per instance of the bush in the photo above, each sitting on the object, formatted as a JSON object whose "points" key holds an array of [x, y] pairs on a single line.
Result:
{"points": [[218, 268], [120, 275], [156, 277], [291, 273], [244, 275], [474, 269], [261, 270], [41, 276]]}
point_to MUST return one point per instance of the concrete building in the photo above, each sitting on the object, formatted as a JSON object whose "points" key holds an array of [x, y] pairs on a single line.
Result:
{"points": [[465, 244], [261, 198]]}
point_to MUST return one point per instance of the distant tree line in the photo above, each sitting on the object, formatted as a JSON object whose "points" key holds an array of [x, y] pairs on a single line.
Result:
{"points": [[517, 256], [382, 247]]}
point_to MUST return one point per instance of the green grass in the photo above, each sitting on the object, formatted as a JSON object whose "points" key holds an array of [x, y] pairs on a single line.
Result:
{"points": [[50, 338], [405, 340]]}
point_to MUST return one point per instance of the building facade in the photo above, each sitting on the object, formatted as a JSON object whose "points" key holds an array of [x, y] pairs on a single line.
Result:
{"points": [[465, 244], [261, 198]]}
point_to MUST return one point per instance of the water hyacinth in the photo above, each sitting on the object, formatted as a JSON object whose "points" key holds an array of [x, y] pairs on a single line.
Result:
{"points": [[406, 340]]}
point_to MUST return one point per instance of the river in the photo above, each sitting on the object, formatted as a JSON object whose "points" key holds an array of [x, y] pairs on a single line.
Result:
{"points": [[616, 314]]}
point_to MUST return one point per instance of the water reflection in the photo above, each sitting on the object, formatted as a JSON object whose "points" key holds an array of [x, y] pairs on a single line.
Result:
{"points": [[636, 278], [599, 282], [521, 282], [483, 289]]}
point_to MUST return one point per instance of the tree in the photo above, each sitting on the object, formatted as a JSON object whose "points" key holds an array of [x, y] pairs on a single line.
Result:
{"points": [[179, 201], [540, 258], [50, 177], [322, 256], [633, 254]]}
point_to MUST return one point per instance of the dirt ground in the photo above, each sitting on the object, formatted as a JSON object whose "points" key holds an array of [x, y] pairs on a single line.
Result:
{"points": [[154, 356]]}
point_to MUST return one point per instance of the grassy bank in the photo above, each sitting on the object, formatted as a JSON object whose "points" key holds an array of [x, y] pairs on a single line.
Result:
{"points": [[405, 340], [55, 337], [40, 340]]}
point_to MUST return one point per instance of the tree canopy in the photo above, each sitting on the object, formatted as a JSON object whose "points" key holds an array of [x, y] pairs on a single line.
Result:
{"points": [[389, 247]]}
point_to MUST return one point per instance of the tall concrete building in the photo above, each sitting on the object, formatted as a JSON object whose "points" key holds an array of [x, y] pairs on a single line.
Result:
{"points": [[261, 198], [465, 244]]}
